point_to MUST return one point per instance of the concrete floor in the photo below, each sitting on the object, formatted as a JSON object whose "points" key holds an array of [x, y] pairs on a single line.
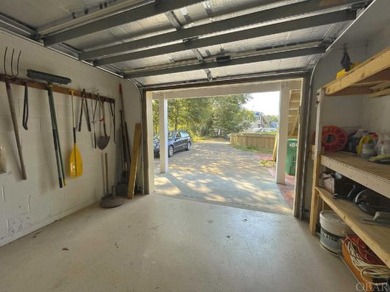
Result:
{"points": [[158, 243], [217, 173]]}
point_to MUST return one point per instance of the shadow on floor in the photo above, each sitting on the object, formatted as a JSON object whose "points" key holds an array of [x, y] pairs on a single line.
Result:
{"points": [[215, 172]]}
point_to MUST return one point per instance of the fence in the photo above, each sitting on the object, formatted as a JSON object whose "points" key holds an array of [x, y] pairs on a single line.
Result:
{"points": [[251, 140]]}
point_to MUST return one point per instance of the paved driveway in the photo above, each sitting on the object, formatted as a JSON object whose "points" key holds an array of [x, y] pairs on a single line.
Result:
{"points": [[217, 173]]}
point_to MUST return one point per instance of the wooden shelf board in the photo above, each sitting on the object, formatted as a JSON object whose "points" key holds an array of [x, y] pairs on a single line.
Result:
{"points": [[374, 69], [376, 237], [372, 175]]}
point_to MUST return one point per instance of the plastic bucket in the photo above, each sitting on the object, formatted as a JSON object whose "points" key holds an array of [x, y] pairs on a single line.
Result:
{"points": [[333, 230]]}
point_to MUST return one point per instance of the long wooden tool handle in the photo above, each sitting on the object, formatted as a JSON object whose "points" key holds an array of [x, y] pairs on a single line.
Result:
{"points": [[134, 162], [104, 121], [57, 144], [55, 141], [106, 166], [16, 129]]}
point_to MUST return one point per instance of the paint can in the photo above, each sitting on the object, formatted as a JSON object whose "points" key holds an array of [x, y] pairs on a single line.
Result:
{"points": [[333, 230]]}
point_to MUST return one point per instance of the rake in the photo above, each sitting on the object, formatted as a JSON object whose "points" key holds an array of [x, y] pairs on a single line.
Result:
{"points": [[50, 79]]}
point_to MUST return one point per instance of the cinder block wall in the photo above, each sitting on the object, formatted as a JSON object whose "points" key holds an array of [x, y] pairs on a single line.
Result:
{"points": [[27, 205]]}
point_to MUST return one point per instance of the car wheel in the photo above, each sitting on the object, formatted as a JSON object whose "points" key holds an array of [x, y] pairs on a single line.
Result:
{"points": [[188, 146], [170, 151]]}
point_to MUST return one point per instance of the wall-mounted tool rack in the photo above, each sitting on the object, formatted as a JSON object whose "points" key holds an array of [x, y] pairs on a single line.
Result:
{"points": [[56, 88]]}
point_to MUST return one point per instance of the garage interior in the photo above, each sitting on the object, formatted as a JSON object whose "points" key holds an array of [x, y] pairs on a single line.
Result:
{"points": [[54, 236]]}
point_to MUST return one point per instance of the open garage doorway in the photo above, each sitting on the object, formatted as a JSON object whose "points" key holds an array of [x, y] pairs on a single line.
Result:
{"points": [[214, 171]]}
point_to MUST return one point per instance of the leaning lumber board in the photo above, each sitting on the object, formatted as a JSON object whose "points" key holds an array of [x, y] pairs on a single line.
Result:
{"points": [[134, 161]]}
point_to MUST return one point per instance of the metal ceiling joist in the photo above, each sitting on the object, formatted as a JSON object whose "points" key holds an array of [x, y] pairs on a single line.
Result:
{"points": [[118, 19], [16, 27], [99, 11], [218, 26], [231, 62], [291, 25], [231, 80]]}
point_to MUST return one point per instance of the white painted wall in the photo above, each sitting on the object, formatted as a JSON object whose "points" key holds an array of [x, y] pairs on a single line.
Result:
{"points": [[376, 114], [26, 206], [354, 111]]}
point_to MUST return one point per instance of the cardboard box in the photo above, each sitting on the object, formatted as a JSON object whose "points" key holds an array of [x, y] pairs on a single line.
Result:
{"points": [[340, 186], [347, 259]]}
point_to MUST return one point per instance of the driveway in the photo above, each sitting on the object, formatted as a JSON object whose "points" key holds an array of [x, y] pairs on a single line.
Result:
{"points": [[215, 172]]}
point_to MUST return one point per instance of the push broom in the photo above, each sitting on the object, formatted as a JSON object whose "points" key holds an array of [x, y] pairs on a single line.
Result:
{"points": [[50, 79]]}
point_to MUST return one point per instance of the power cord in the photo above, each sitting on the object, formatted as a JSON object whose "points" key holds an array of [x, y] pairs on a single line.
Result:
{"points": [[367, 262]]}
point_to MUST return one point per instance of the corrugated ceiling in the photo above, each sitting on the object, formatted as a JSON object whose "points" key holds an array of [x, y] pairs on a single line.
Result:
{"points": [[184, 41]]}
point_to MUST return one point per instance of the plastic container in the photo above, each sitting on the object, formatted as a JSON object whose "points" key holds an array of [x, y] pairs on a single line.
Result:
{"points": [[368, 150], [355, 139], [291, 158], [333, 230]]}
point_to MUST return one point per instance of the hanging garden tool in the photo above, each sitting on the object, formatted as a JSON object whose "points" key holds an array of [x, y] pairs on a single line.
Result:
{"points": [[105, 139], [50, 79], [75, 160], [12, 106], [84, 108], [25, 107], [112, 110], [94, 121], [126, 133], [123, 184]]}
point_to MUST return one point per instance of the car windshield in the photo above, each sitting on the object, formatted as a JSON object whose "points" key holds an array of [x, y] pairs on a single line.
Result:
{"points": [[171, 135]]}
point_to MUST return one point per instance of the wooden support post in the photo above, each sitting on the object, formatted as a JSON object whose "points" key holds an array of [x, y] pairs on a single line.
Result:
{"points": [[283, 132], [134, 160], [163, 122]]}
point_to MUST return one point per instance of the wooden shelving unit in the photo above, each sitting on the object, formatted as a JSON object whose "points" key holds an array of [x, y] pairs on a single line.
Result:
{"points": [[369, 78], [372, 175], [376, 237]]}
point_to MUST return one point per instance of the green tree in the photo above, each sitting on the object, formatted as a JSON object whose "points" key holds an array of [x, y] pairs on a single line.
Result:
{"points": [[229, 114], [198, 111], [205, 116], [176, 113], [155, 107]]}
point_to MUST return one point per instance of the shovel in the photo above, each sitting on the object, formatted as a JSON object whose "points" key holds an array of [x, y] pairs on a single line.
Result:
{"points": [[103, 140], [75, 160]]}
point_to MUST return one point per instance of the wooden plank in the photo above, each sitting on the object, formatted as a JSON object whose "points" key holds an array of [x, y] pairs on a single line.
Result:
{"points": [[294, 128], [56, 88], [134, 160], [365, 70], [274, 152], [381, 86], [372, 175], [358, 91], [376, 237], [380, 93]]}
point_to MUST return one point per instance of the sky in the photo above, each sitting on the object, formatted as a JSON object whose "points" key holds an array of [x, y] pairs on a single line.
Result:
{"points": [[265, 102]]}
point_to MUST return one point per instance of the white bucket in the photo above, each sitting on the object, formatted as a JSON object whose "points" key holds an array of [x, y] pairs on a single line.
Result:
{"points": [[333, 229]]}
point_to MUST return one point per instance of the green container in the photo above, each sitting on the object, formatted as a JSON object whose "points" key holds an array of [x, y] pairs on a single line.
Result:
{"points": [[291, 156]]}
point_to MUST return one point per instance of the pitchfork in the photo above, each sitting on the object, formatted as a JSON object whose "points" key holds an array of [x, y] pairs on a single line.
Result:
{"points": [[14, 75]]}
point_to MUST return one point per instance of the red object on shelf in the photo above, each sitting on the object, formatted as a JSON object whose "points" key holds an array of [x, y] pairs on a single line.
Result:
{"points": [[333, 138]]}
